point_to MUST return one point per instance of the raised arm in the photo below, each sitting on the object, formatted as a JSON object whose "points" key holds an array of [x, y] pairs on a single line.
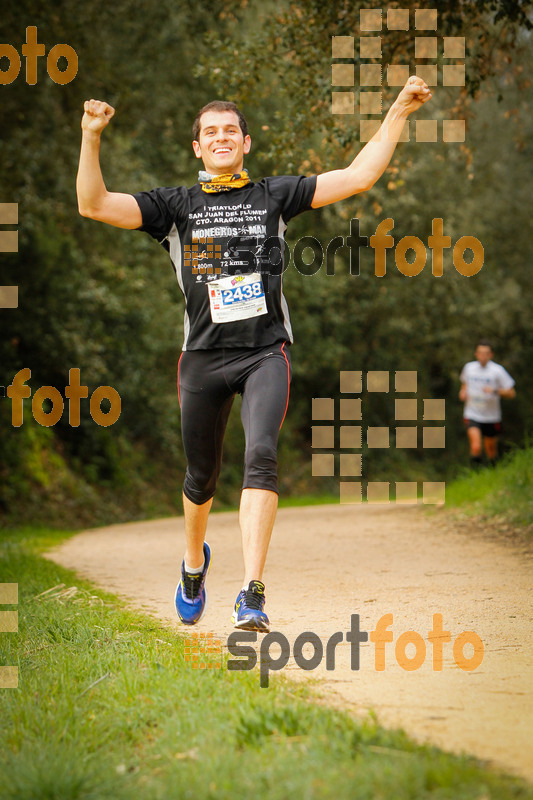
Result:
{"points": [[371, 162], [94, 201]]}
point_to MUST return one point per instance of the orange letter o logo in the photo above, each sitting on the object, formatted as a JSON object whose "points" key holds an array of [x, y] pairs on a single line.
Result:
{"points": [[410, 664], [9, 75], [410, 243], [68, 74], [462, 266], [468, 664], [96, 412], [51, 417]]}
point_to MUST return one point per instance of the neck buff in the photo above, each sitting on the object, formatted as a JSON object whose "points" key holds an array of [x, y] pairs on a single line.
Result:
{"points": [[223, 183]]}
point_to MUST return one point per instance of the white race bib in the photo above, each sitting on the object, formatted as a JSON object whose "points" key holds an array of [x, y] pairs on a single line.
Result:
{"points": [[237, 297]]}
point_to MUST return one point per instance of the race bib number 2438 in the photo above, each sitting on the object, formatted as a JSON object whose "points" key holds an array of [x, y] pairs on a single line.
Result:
{"points": [[237, 297]]}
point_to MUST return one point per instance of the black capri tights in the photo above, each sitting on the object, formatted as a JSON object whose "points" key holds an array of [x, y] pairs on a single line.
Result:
{"points": [[207, 383]]}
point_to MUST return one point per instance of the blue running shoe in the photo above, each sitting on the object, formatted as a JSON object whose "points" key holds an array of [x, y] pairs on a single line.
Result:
{"points": [[191, 596], [248, 614]]}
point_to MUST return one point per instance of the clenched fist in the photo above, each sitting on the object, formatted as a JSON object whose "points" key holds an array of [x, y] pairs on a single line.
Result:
{"points": [[97, 115], [414, 94]]}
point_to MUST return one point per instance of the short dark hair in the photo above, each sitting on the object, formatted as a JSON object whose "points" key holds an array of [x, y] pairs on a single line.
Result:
{"points": [[485, 343], [219, 105]]}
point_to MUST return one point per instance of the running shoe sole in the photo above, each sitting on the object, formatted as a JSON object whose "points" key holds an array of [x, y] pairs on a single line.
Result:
{"points": [[250, 624]]}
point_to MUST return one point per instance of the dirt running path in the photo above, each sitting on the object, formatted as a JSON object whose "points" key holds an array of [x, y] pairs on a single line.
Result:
{"points": [[328, 562]]}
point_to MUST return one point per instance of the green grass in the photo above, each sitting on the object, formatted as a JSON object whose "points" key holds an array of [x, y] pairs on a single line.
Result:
{"points": [[107, 707], [294, 501], [504, 492], [308, 500]]}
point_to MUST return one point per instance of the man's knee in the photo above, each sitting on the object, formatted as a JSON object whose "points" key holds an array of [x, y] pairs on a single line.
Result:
{"points": [[491, 447], [199, 487], [262, 454], [261, 466], [474, 439]]}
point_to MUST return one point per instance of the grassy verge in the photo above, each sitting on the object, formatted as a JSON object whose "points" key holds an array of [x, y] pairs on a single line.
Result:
{"points": [[503, 493], [107, 707]]}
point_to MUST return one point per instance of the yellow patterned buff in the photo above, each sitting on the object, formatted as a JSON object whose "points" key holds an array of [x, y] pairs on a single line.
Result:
{"points": [[223, 183]]}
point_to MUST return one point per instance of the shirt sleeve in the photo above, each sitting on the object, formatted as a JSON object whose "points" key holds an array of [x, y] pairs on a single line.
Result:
{"points": [[504, 379], [160, 209], [294, 193]]}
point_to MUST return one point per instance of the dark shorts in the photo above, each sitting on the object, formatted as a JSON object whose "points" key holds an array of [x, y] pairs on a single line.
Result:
{"points": [[208, 381], [489, 429]]}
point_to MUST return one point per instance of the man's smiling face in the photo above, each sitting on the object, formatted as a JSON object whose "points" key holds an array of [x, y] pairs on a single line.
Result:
{"points": [[221, 145]]}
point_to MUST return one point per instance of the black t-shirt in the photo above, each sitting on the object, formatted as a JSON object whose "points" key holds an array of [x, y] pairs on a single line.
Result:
{"points": [[237, 232]]}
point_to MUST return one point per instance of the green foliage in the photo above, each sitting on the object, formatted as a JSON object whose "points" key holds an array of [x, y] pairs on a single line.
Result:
{"points": [[501, 494], [111, 479], [90, 297], [285, 65], [106, 301]]}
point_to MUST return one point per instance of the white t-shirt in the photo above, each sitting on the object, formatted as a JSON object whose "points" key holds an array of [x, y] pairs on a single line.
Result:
{"points": [[483, 406]]}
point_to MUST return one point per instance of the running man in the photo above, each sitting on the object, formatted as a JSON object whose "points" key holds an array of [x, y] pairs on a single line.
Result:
{"points": [[222, 235], [483, 382]]}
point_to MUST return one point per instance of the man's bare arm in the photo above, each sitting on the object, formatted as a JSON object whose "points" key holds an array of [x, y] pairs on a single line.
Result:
{"points": [[372, 161], [94, 201], [510, 394]]}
